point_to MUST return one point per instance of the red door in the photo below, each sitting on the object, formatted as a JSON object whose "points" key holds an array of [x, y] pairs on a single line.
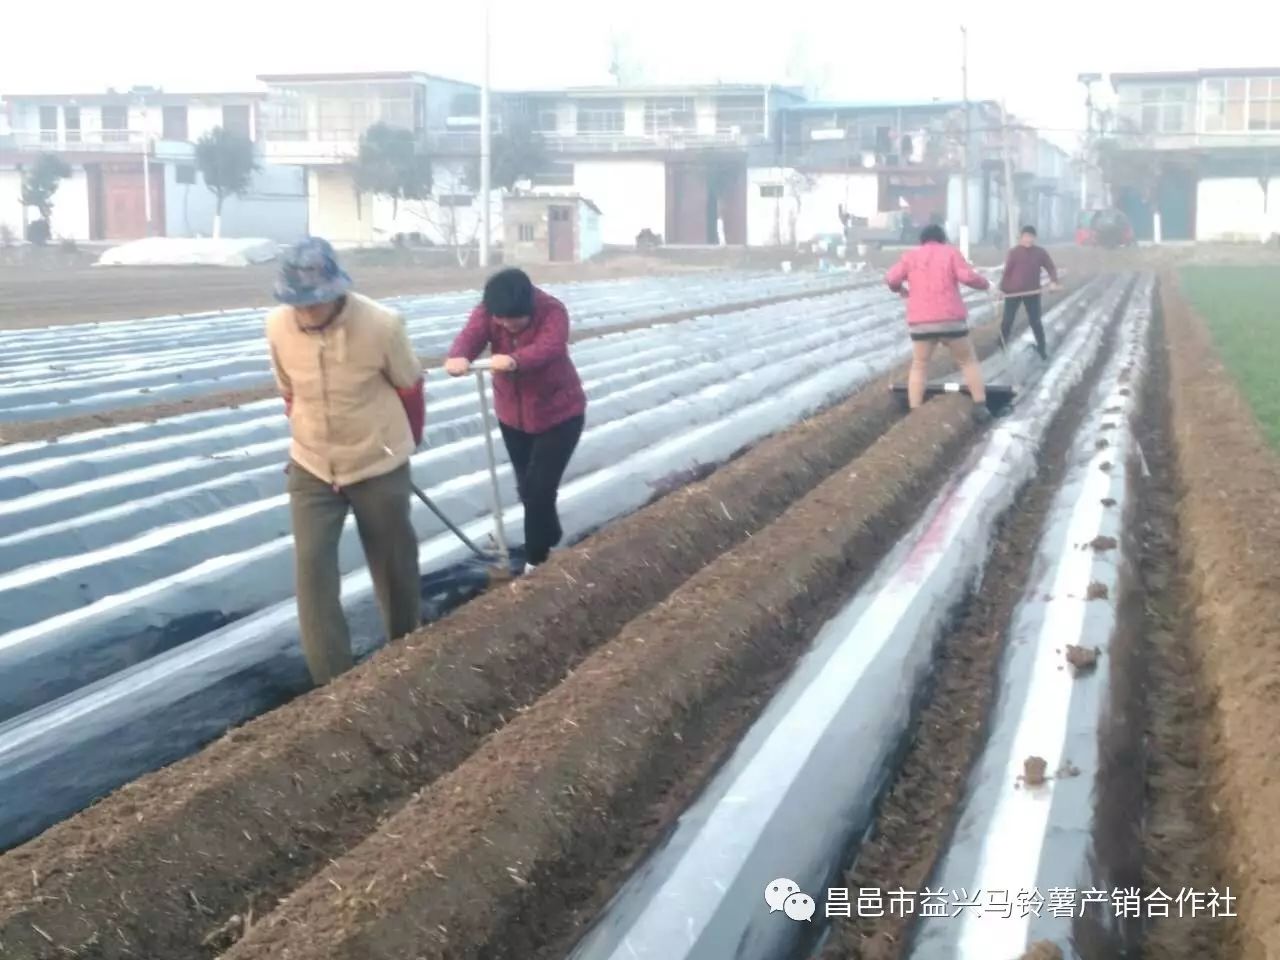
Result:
{"points": [[560, 233], [124, 205]]}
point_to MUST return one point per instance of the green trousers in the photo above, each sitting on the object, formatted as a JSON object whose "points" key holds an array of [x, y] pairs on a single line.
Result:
{"points": [[381, 506]]}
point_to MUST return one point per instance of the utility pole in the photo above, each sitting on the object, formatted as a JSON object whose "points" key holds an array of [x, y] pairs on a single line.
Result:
{"points": [[1088, 79], [1009, 217], [964, 175], [485, 144]]}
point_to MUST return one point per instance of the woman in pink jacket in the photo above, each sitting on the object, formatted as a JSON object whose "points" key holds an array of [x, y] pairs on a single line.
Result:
{"points": [[537, 394], [929, 277]]}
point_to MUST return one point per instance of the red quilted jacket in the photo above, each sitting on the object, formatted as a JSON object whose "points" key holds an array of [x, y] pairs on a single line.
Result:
{"points": [[545, 390]]}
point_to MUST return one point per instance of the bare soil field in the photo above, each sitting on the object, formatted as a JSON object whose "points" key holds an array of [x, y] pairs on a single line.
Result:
{"points": [[49, 287]]}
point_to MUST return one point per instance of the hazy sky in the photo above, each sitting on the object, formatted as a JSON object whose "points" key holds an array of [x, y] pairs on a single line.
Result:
{"points": [[1027, 52]]}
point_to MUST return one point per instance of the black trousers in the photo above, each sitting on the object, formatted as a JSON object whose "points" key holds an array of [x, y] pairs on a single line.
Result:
{"points": [[1033, 318], [539, 460]]}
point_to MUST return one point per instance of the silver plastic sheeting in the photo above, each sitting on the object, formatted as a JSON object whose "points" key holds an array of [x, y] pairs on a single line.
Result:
{"points": [[1041, 861], [800, 787]]}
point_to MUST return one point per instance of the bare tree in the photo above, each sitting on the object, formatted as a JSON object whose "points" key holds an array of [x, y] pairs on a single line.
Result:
{"points": [[799, 183], [454, 224]]}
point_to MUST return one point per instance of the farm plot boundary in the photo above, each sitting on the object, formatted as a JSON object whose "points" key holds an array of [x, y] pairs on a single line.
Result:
{"points": [[1229, 514]]}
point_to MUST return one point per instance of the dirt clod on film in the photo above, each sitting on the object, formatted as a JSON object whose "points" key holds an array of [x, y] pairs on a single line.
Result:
{"points": [[1043, 950], [1034, 770], [1098, 591], [1103, 544], [1082, 659]]}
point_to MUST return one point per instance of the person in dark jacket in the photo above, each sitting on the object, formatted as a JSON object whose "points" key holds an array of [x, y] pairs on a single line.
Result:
{"points": [[537, 394], [1021, 285]]}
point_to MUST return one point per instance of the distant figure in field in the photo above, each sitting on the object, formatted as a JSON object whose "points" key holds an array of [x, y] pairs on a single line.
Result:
{"points": [[1021, 285], [929, 277]]}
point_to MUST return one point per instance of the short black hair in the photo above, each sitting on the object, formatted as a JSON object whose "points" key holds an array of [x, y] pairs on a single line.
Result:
{"points": [[509, 293], [1029, 229], [933, 234]]}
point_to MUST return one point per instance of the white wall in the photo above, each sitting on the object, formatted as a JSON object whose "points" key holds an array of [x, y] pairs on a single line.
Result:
{"points": [[1232, 209], [445, 226], [810, 205], [275, 207], [590, 237], [978, 217], [70, 205], [200, 120], [333, 209], [10, 203], [631, 195]]}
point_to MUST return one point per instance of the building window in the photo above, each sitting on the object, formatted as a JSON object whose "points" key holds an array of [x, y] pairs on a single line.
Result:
{"points": [[48, 124], [526, 233], [669, 115], [175, 123], [1222, 106], [548, 121], [602, 116], [454, 200], [771, 190], [465, 105], [1264, 103], [184, 173], [115, 124], [286, 117], [71, 117], [1163, 110], [741, 115], [236, 119]]}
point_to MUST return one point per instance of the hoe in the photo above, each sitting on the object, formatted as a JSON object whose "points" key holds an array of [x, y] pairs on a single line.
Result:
{"points": [[499, 565]]}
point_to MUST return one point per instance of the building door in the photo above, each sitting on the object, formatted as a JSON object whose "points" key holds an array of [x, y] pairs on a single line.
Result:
{"points": [[1176, 196], [123, 204], [560, 233], [689, 204]]}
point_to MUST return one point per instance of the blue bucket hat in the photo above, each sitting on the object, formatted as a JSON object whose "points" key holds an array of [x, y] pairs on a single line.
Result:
{"points": [[309, 274]]}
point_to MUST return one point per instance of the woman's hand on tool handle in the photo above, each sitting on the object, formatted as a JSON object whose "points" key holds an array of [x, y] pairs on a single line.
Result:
{"points": [[1055, 287], [457, 366], [503, 363]]}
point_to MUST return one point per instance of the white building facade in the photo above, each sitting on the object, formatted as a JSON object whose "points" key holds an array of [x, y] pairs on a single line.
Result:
{"points": [[1196, 154]]}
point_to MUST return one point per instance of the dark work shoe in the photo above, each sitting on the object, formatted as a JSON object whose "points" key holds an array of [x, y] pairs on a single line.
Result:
{"points": [[981, 415]]}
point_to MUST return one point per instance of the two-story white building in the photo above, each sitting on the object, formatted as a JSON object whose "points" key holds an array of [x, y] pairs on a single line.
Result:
{"points": [[317, 121], [132, 157], [897, 166], [670, 159], [1198, 152]]}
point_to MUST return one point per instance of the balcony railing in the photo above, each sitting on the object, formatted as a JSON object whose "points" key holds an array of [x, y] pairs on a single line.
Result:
{"points": [[606, 142], [1189, 141], [96, 141]]}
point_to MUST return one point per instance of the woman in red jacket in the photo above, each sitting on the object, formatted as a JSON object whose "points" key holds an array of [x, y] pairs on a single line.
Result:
{"points": [[537, 393], [929, 277]]}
